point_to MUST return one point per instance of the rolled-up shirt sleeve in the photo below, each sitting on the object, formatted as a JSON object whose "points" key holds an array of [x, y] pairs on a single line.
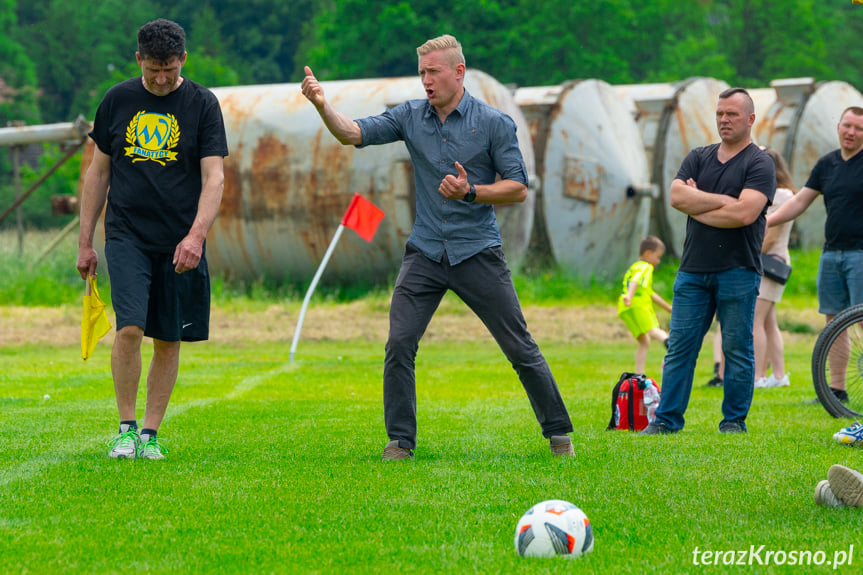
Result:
{"points": [[505, 151], [383, 128]]}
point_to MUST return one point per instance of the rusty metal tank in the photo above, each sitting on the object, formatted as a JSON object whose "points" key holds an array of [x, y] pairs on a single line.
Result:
{"points": [[801, 125], [595, 190], [673, 119], [289, 181], [763, 98]]}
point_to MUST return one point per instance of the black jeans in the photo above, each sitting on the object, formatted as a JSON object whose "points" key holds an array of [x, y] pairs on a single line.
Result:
{"points": [[483, 282]]}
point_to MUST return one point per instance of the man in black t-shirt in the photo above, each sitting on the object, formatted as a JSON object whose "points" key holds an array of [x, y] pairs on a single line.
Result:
{"points": [[838, 176], [725, 189], [160, 143]]}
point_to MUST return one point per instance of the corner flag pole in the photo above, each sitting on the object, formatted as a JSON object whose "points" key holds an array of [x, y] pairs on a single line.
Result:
{"points": [[363, 217], [312, 286]]}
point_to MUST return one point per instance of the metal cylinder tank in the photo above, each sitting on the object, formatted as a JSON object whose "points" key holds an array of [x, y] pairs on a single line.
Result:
{"points": [[801, 125], [288, 182], [763, 98], [673, 119], [594, 186]]}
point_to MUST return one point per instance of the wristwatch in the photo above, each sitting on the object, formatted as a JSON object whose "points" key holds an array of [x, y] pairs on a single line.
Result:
{"points": [[471, 195]]}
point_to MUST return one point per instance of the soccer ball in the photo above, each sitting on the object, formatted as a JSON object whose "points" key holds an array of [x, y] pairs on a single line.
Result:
{"points": [[552, 528]]}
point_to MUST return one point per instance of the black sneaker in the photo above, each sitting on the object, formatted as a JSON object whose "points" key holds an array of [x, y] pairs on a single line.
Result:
{"points": [[657, 428], [840, 394], [715, 382], [732, 427]]}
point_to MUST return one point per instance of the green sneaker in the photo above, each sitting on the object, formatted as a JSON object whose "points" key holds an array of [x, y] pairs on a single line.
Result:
{"points": [[125, 445], [152, 449]]}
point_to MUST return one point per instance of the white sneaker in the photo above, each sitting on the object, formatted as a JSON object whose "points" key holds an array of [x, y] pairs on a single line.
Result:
{"points": [[825, 496], [151, 448], [773, 382], [850, 435], [125, 444], [762, 382]]}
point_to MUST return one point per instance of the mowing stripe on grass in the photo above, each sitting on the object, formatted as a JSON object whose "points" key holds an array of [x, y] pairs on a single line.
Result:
{"points": [[38, 464]]}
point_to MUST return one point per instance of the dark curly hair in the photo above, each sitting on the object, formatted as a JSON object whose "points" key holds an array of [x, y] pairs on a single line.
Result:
{"points": [[160, 40]]}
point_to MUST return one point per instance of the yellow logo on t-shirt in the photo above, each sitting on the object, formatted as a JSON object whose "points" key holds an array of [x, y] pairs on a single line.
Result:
{"points": [[152, 137]]}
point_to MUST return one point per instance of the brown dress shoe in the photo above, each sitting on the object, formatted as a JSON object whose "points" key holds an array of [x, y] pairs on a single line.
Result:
{"points": [[392, 452]]}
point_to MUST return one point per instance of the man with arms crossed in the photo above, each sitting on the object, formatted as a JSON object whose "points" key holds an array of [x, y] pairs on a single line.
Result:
{"points": [[457, 145], [724, 189], [160, 144]]}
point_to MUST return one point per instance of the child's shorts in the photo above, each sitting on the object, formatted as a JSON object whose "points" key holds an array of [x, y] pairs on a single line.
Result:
{"points": [[639, 320]]}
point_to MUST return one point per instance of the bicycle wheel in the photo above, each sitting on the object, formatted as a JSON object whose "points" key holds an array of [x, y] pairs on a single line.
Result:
{"points": [[837, 362]]}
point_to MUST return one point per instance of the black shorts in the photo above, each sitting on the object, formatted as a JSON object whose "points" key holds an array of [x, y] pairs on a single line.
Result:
{"points": [[148, 293]]}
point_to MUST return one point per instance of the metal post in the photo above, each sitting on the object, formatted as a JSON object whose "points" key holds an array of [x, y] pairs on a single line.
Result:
{"points": [[41, 180], [16, 181], [59, 238]]}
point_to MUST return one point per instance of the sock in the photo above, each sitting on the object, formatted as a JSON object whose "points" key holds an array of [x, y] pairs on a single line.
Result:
{"points": [[127, 425], [148, 435], [716, 368]]}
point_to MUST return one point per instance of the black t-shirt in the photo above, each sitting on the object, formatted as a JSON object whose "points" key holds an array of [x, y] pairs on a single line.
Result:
{"points": [[156, 144], [707, 249], [841, 184]]}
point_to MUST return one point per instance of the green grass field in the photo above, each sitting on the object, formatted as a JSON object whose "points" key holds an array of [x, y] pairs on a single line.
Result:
{"points": [[275, 467]]}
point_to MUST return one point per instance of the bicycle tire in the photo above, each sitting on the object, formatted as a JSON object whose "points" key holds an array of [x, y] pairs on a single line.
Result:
{"points": [[848, 323]]}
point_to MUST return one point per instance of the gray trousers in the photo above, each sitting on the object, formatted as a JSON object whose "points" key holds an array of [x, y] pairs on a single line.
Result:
{"points": [[483, 282]]}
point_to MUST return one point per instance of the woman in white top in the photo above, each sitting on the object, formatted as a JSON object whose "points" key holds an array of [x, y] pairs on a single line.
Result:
{"points": [[769, 347]]}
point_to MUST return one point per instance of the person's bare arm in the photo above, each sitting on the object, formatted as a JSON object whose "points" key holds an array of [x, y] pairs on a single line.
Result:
{"points": [[343, 128], [741, 212], [793, 207], [687, 198], [188, 253], [770, 237], [93, 197], [657, 299], [630, 293]]}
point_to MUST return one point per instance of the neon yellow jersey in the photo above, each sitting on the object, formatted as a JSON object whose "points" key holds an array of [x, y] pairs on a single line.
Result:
{"points": [[641, 272]]}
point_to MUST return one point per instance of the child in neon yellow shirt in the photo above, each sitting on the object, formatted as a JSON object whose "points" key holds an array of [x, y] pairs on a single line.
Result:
{"points": [[635, 304]]}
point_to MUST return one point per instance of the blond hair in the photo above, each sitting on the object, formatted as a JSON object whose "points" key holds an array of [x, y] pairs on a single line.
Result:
{"points": [[446, 42]]}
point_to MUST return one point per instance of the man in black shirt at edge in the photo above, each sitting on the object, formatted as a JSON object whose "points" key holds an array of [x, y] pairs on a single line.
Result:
{"points": [[838, 176]]}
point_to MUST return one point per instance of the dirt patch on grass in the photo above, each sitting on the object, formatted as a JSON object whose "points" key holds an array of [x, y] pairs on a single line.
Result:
{"points": [[362, 320]]}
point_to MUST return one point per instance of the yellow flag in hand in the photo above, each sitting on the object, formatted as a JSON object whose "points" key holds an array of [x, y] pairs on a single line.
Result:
{"points": [[94, 322]]}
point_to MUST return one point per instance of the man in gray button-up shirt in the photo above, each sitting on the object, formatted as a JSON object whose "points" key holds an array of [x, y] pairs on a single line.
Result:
{"points": [[458, 146]]}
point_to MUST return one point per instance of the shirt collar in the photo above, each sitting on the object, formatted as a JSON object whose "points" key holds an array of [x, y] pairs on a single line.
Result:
{"points": [[466, 101]]}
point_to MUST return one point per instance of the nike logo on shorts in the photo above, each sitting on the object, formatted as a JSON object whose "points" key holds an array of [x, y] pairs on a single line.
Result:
{"points": [[185, 325]]}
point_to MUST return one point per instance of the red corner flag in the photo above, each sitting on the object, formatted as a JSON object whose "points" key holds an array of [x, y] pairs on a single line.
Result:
{"points": [[363, 217]]}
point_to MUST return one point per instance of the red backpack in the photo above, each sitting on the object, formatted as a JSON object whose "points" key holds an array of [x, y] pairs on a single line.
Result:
{"points": [[630, 404]]}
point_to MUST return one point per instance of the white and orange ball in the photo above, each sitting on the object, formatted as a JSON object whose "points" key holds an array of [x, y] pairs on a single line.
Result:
{"points": [[553, 528]]}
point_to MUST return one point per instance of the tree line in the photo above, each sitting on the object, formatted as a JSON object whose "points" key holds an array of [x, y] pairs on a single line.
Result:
{"points": [[57, 57]]}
